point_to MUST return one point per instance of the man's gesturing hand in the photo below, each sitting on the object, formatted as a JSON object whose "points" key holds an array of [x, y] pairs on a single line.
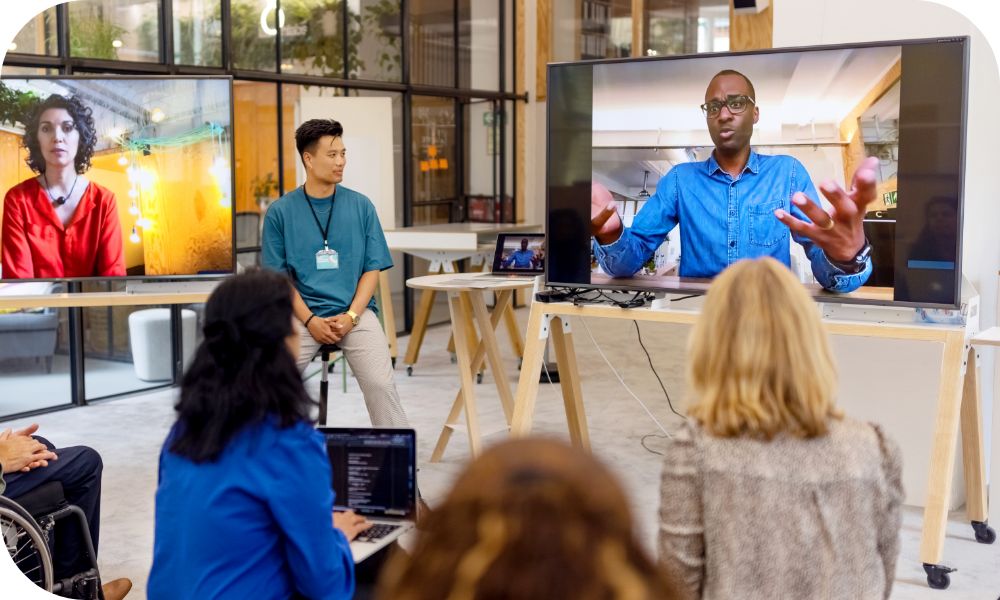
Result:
{"points": [[605, 224], [839, 233]]}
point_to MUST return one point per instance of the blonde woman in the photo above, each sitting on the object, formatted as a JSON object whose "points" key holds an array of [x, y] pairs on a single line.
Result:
{"points": [[530, 519], [769, 492]]}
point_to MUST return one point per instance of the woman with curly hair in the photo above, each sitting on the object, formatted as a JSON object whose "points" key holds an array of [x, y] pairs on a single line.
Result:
{"points": [[59, 224], [530, 519]]}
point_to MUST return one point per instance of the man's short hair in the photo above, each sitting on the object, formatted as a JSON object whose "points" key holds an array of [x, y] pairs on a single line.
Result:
{"points": [[753, 93], [312, 130]]}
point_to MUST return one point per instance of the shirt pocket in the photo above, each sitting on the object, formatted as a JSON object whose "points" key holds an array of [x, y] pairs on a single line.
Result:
{"points": [[765, 228]]}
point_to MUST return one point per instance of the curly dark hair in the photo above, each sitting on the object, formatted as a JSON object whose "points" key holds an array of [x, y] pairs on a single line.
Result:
{"points": [[83, 120], [482, 542]]}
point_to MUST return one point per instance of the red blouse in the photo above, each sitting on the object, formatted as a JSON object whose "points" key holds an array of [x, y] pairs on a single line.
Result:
{"points": [[35, 243]]}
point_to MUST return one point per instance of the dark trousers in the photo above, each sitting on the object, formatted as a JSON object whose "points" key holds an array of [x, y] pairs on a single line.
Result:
{"points": [[79, 470]]}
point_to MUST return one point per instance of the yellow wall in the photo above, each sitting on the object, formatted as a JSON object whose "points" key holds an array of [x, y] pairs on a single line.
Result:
{"points": [[189, 229], [255, 137]]}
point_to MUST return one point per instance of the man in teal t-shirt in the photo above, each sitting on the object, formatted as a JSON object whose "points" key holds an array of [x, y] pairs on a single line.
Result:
{"points": [[328, 239]]}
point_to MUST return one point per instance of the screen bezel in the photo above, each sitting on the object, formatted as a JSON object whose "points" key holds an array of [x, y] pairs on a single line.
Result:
{"points": [[232, 178], [699, 287]]}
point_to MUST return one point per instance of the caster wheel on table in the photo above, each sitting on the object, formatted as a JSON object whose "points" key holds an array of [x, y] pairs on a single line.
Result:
{"points": [[519, 361], [409, 370], [937, 576], [479, 377], [984, 533], [393, 362], [454, 359]]}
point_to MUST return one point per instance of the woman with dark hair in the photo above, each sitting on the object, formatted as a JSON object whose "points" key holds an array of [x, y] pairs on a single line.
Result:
{"points": [[530, 519], [59, 224], [244, 503]]}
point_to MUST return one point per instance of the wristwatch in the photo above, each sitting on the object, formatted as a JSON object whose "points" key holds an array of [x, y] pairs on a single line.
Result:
{"points": [[856, 264], [354, 317]]}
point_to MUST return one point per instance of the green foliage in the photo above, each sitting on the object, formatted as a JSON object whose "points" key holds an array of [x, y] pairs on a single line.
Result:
{"points": [[15, 106], [265, 187], [378, 17], [91, 37]]}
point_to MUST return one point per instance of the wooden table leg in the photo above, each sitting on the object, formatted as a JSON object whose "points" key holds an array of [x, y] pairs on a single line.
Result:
{"points": [[942, 464], [419, 326], [531, 366], [388, 315], [459, 323], [504, 299], [489, 341], [569, 380], [513, 331], [973, 454]]}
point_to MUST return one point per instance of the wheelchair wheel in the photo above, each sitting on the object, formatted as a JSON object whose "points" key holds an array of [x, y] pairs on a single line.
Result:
{"points": [[26, 544]]}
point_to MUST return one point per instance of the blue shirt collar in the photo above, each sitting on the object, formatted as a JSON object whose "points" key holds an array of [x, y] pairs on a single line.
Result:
{"points": [[753, 163]]}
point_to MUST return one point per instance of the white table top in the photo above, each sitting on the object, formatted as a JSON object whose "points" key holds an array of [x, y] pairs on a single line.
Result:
{"points": [[466, 282], [451, 236]]}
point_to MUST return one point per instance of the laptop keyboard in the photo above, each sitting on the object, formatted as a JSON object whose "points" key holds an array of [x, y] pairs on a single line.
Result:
{"points": [[376, 532]]}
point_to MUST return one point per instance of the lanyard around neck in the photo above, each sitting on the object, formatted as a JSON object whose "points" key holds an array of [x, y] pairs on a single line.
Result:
{"points": [[323, 230]]}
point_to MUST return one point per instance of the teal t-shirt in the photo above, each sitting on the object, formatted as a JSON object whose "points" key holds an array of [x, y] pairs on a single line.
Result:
{"points": [[292, 238]]}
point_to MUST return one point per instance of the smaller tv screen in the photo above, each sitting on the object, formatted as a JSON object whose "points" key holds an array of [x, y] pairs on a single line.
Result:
{"points": [[691, 163], [115, 177], [520, 253]]}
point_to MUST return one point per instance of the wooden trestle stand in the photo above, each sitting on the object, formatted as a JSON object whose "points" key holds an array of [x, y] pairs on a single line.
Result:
{"points": [[958, 402]]}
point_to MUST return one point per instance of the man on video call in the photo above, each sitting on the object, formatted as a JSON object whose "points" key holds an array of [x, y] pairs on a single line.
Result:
{"points": [[328, 239], [523, 258], [740, 204]]}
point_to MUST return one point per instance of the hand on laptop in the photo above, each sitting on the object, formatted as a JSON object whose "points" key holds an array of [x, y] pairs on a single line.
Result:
{"points": [[350, 523]]}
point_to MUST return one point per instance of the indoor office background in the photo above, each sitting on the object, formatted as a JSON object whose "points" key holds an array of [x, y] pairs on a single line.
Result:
{"points": [[446, 65]]}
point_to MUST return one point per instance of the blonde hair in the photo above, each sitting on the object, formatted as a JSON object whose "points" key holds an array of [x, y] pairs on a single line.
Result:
{"points": [[531, 519], [759, 359]]}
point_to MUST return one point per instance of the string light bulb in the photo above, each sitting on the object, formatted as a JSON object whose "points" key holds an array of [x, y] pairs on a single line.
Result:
{"points": [[123, 161], [134, 238]]}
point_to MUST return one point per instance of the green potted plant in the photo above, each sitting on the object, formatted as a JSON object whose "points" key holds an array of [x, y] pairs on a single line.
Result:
{"points": [[265, 190]]}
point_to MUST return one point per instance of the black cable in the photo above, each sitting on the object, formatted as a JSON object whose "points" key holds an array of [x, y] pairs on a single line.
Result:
{"points": [[685, 298], [642, 442], [650, 359]]}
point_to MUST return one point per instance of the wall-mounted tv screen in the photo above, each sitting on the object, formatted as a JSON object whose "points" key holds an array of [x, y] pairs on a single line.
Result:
{"points": [[115, 177], [656, 139]]}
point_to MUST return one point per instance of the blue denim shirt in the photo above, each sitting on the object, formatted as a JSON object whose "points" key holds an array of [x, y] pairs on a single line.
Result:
{"points": [[724, 220]]}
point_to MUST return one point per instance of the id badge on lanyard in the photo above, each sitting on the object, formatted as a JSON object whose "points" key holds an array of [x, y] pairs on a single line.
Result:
{"points": [[327, 259]]}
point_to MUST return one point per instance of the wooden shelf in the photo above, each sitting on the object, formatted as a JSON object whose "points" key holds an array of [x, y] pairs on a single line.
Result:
{"points": [[102, 299]]}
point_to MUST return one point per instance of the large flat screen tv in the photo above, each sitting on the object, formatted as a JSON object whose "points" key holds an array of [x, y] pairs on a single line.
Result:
{"points": [[624, 125], [116, 177]]}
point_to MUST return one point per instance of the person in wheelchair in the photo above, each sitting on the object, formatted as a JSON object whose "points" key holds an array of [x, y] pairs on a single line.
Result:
{"points": [[244, 506], [29, 464]]}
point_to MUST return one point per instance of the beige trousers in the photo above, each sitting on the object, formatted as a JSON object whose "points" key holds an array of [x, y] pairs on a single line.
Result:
{"points": [[367, 352]]}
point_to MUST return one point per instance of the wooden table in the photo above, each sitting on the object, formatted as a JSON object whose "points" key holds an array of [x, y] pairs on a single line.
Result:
{"points": [[959, 409], [443, 245], [468, 308]]}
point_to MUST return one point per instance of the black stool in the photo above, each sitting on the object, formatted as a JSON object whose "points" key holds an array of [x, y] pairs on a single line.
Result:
{"points": [[324, 384]]}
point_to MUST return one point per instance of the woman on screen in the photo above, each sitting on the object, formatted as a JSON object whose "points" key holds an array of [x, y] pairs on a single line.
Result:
{"points": [[532, 519], [769, 492], [59, 224], [244, 506]]}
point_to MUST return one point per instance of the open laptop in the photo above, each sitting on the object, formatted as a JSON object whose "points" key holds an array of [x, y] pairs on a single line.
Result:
{"points": [[375, 475], [519, 255]]}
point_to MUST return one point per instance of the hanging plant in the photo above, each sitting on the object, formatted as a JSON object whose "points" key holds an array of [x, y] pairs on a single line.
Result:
{"points": [[15, 106]]}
